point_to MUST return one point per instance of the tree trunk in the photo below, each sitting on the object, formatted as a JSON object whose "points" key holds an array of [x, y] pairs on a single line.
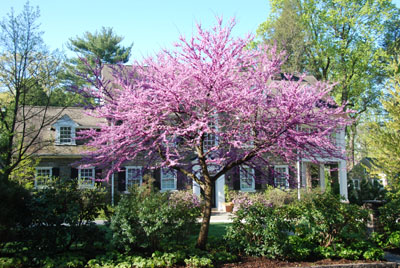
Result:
{"points": [[205, 224]]}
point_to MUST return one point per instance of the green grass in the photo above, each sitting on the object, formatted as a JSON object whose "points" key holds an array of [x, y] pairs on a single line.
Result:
{"points": [[218, 230]]}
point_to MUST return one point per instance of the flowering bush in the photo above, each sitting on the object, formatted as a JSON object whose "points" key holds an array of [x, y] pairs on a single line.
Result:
{"points": [[243, 200], [149, 220]]}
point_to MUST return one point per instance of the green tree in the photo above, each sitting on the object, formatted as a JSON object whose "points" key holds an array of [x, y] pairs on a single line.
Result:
{"points": [[93, 51], [28, 71], [335, 40], [384, 135]]}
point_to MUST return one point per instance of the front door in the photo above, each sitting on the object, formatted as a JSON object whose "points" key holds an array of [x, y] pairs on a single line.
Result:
{"points": [[213, 198]]}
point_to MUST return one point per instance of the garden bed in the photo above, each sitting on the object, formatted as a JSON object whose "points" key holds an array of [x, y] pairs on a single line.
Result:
{"points": [[263, 262]]}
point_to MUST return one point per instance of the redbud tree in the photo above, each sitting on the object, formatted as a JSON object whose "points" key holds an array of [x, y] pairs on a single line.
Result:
{"points": [[212, 103]]}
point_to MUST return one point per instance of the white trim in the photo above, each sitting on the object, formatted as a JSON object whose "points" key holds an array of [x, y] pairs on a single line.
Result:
{"points": [[286, 167], [36, 176], [65, 121], [161, 179], [126, 175], [88, 186], [251, 187]]}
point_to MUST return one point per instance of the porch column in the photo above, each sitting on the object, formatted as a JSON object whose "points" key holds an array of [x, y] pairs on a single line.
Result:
{"points": [[303, 174], [343, 179], [220, 193], [322, 177], [196, 186]]}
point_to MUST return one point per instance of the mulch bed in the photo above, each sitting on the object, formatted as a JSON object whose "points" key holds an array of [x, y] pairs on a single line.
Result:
{"points": [[263, 262]]}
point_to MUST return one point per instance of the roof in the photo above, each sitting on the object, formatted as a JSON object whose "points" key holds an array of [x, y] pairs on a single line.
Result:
{"points": [[48, 134]]}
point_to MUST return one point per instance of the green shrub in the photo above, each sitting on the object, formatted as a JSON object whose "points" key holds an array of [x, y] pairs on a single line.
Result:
{"points": [[389, 221], [62, 216], [318, 226], [15, 214], [149, 220]]}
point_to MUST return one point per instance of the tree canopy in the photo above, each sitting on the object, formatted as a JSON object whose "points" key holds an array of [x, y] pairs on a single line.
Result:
{"points": [[337, 41], [28, 75], [216, 105], [384, 134]]}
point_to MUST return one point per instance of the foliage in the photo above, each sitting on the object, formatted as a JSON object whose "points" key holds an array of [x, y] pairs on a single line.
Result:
{"points": [[389, 215], [28, 74], [148, 220], [319, 226], [94, 50], [279, 197], [384, 135], [336, 40], [367, 191], [15, 213], [24, 173], [212, 89], [62, 217]]}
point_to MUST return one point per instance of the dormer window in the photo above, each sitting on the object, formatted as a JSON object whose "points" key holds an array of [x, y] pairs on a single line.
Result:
{"points": [[65, 134], [65, 131]]}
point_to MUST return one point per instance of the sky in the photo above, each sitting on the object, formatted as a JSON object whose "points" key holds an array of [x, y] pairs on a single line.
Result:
{"points": [[150, 25]]}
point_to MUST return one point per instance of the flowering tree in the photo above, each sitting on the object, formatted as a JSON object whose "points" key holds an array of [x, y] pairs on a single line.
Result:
{"points": [[214, 104]]}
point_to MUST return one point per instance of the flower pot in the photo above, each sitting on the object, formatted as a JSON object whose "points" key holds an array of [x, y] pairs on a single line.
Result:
{"points": [[229, 207]]}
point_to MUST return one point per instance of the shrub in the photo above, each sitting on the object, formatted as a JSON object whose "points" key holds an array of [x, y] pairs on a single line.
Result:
{"points": [[389, 221], [318, 226], [62, 216], [15, 213], [148, 220]]}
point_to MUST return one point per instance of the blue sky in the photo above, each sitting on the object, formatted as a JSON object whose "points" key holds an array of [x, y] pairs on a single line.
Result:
{"points": [[150, 25]]}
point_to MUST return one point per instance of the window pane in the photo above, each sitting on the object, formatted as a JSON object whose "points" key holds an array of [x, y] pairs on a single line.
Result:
{"points": [[65, 135], [246, 178], [42, 176], [281, 177], [168, 178], [86, 177], [133, 176]]}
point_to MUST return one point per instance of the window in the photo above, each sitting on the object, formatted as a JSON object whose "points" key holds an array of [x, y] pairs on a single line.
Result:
{"points": [[65, 135], [168, 179], [281, 176], [356, 184], [86, 178], [210, 139], [43, 174], [133, 176], [247, 179]]}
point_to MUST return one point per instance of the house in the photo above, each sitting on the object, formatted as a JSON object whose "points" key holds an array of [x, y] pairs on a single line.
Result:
{"points": [[60, 158], [362, 171]]}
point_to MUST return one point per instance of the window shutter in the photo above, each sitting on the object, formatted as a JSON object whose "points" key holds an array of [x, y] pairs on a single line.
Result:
{"points": [[271, 179], [291, 179], [97, 175], [236, 179], [157, 179], [258, 179], [122, 180], [55, 172], [74, 173], [181, 181]]}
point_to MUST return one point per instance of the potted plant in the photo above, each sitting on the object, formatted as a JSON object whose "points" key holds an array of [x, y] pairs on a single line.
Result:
{"points": [[228, 199]]}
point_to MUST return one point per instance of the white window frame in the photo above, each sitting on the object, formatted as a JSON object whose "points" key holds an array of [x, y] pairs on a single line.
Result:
{"points": [[127, 184], [214, 139], [286, 167], [357, 187], [65, 121], [39, 185], [247, 175], [162, 174], [86, 186]]}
